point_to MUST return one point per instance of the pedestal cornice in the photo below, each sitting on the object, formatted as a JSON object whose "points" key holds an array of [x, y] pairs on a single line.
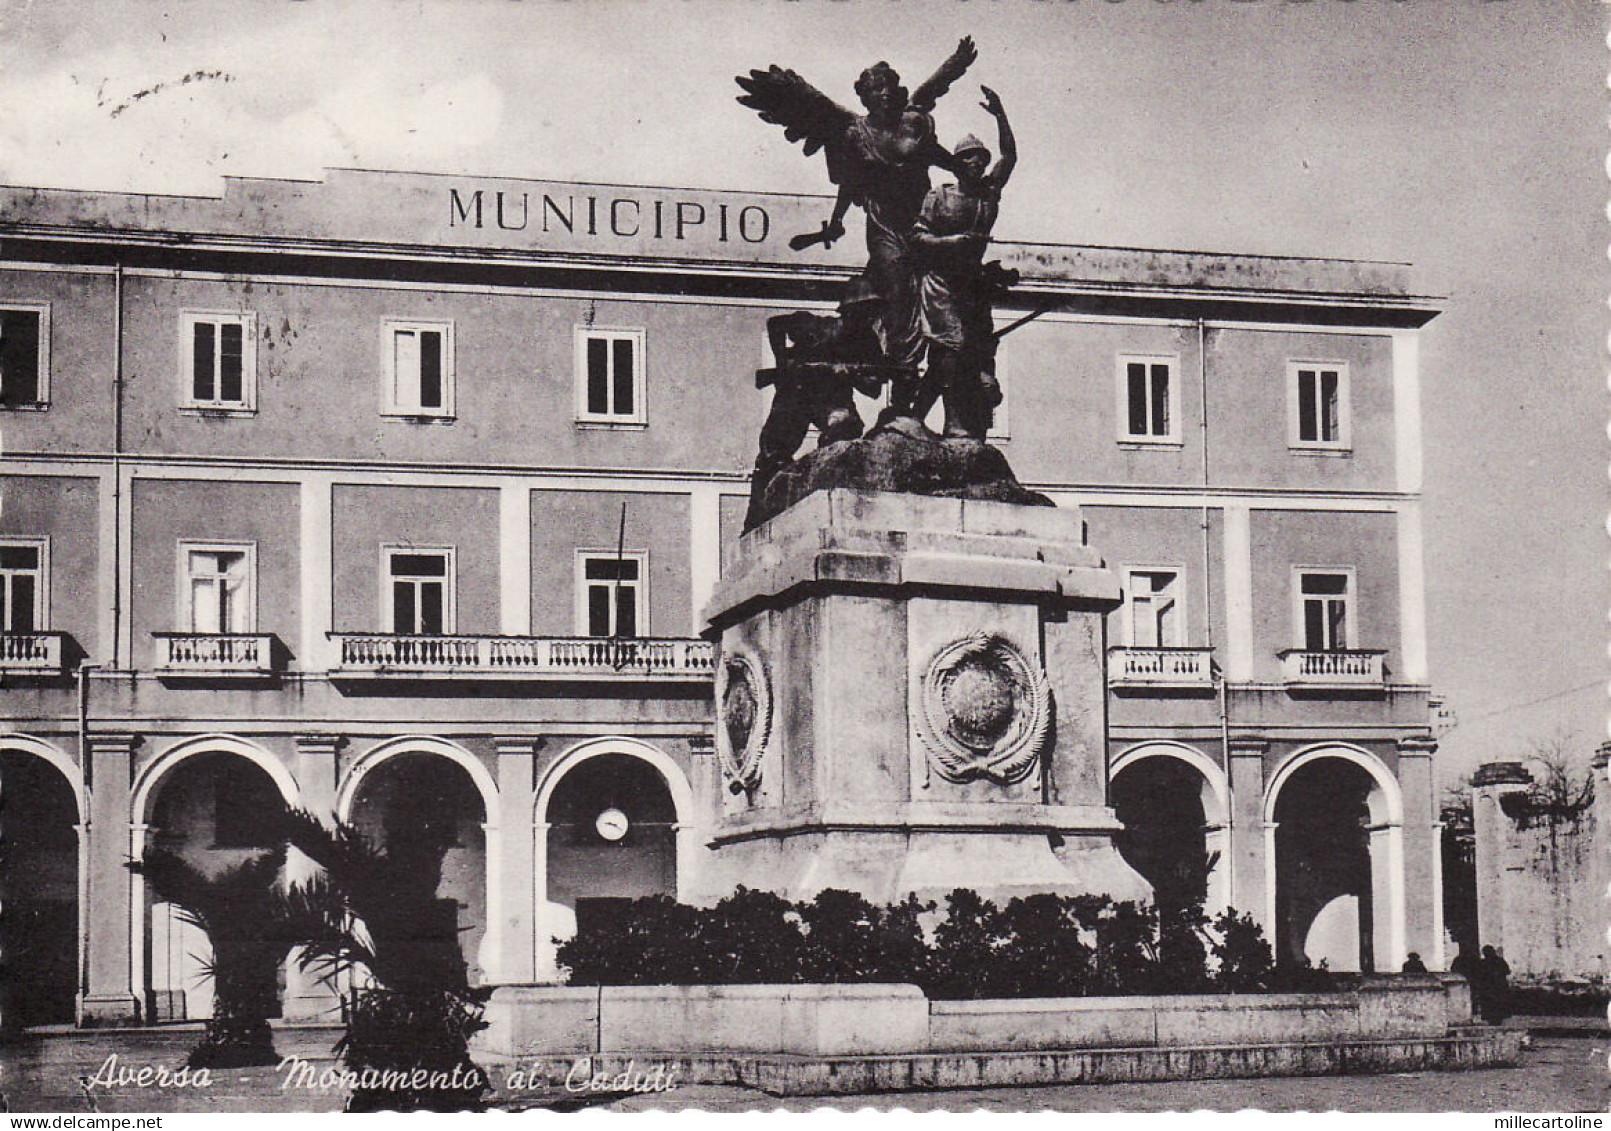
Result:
{"points": [[843, 539]]}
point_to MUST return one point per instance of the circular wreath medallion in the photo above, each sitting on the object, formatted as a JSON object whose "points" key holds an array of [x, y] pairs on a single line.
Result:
{"points": [[985, 712], [743, 717]]}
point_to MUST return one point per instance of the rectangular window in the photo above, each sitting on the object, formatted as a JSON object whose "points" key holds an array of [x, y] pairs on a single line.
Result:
{"points": [[1325, 611], [611, 593], [419, 591], [1318, 397], [609, 376], [1157, 615], [218, 361], [219, 587], [1147, 395], [418, 359], [24, 356], [22, 586]]}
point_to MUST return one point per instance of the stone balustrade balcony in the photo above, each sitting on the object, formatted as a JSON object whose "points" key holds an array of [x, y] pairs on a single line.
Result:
{"points": [[31, 653], [519, 657], [1358, 667], [1161, 667], [215, 654]]}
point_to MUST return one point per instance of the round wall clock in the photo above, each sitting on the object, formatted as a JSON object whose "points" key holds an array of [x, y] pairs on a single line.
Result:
{"points": [[611, 824]]}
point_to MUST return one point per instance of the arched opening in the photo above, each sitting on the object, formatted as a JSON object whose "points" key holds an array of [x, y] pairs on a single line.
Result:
{"points": [[1164, 804], [215, 810], [430, 807], [611, 837], [39, 879], [1333, 870]]}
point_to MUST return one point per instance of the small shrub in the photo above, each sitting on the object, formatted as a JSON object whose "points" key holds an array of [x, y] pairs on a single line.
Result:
{"points": [[1244, 964], [1303, 977], [752, 936], [1183, 952], [903, 951], [1037, 946], [1043, 953], [965, 949], [654, 941], [841, 938], [1560, 998], [1126, 949]]}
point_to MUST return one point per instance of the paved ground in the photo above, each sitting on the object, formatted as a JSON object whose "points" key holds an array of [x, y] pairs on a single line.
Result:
{"points": [[1558, 1074]]}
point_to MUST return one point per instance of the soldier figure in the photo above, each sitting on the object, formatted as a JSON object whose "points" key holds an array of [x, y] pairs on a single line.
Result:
{"points": [[821, 360], [950, 236]]}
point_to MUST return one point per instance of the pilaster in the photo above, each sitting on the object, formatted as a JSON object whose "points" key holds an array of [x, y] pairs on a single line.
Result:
{"points": [[1423, 873], [1251, 864], [308, 997], [517, 795], [110, 995]]}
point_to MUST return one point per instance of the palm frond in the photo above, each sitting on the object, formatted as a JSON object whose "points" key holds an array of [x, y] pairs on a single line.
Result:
{"points": [[230, 903]]}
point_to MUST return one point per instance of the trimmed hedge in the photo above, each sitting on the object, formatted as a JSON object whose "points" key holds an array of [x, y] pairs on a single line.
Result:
{"points": [[1035, 946]]}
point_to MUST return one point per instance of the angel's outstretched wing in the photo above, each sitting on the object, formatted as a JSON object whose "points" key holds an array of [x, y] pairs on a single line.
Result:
{"points": [[926, 95], [806, 114]]}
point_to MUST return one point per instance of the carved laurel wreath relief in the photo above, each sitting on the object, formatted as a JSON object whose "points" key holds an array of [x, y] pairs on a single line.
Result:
{"points": [[985, 710], [744, 717]]}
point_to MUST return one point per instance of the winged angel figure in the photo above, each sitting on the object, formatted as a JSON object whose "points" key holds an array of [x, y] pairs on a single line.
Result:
{"points": [[880, 160]]}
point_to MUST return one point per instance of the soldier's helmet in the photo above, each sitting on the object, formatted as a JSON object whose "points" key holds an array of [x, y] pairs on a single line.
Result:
{"points": [[859, 291], [971, 144]]}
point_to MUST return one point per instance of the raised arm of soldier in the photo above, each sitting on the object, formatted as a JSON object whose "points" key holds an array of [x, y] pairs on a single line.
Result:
{"points": [[999, 175], [777, 335]]}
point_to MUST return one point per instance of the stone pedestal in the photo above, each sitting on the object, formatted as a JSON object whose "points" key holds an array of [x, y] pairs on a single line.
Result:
{"points": [[911, 698]]}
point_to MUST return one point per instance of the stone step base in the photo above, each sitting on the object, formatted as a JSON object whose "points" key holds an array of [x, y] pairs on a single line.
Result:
{"points": [[785, 1075]]}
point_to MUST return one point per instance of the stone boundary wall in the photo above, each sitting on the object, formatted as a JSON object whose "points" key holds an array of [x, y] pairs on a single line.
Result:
{"points": [[874, 1020], [1541, 890]]}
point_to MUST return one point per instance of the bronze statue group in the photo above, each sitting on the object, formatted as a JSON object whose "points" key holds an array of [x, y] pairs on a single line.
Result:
{"points": [[926, 292]]}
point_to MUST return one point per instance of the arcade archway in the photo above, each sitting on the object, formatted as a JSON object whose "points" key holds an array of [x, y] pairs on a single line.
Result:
{"points": [[213, 804], [1336, 834], [1172, 802], [611, 823], [39, 875], [418, 801]]}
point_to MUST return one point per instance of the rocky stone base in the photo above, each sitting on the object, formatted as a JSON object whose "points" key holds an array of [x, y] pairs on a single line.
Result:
{"points": [[904, 457]]}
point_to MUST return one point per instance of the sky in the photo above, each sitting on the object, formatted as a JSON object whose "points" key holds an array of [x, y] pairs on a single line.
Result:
{"points": [[1465, 136]]}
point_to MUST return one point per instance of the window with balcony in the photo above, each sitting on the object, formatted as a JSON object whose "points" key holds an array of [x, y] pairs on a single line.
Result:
{"points": [[611, 594], [1317, 398], [24, 355], [419, 591], [417, 361], [218, 361], [22, 586], [1156, 611], [219, 588], [1147, 396], [1325, 610], [610, 376]]}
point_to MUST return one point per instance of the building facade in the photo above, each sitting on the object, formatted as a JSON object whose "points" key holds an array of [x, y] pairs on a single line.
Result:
{"points": [[399, 497]]}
